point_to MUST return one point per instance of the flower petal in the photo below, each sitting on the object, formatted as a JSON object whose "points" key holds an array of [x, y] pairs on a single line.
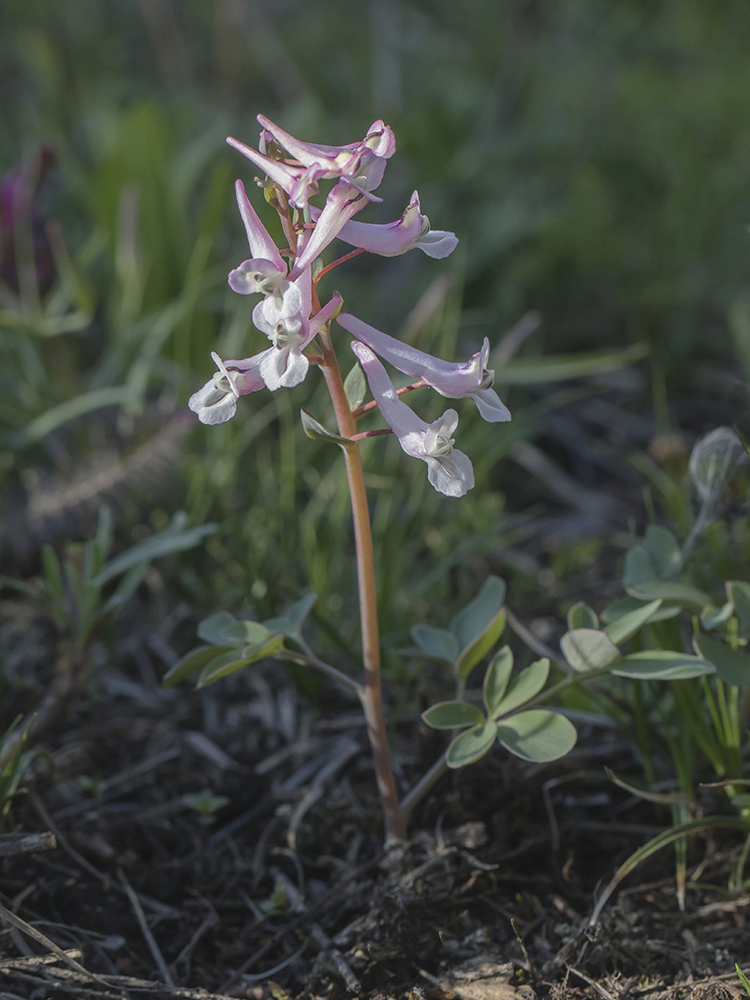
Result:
{"points": [[452, 476], [261, 244]]}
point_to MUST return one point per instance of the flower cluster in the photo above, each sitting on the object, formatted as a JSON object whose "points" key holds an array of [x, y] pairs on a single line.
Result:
{"points": [[288, 312]]}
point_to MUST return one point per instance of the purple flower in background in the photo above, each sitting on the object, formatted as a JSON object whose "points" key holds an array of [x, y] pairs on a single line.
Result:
{"points": [[448, 469], [19, 217], [454, 380]]}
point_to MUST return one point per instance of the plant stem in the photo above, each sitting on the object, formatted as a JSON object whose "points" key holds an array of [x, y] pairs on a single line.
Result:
{"points": [[371, 694]]}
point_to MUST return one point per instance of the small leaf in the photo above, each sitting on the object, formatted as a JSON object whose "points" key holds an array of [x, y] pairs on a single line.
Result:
{"points": [[675, 593], [638, 567], [528, 683], [214, 629], [496, 679], [478, 649], [538, 735], [301, 609], [663, 550], [580, 615], [624, 605], [355, 386], [479, 612], [452, 715], [588, 649], [711, 616], [227, 663], [192, 662], [732, 666], [437, 643], [468, 747], [738, 593], [318, 432], [662, 664], [247, 633], [629, 624]]}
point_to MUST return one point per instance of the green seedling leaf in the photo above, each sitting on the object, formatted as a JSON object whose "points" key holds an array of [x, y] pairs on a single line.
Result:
{"points": [[214, 629], [675, 593], [662, 665], [174, 539], [638, 567], [12, 773], [437, 643], [622, 629], [732, 666], [588, 649], [355, 386], [740, 974], [496, 679], [192, 662], [529, 683], [538, 735], [479, 613], [227, 663], [452, 715], [738, 593], [205, 803], [662, 840], [711, 616], [624, 605], [318, 432], [582, 616], [663, 551], [471, 745]]}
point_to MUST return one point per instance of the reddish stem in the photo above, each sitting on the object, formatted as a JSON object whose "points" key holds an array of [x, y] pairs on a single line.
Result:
{"points": [[335, 263], [400, 392]]}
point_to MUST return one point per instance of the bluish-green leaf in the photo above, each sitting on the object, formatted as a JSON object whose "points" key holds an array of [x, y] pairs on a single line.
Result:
{"points": [[662, 664], [538, 735], [663, 550], [213, 629], [588, 649], [355, 386], [625, 605], [676, 593], [437, 643], [480, 647], [738, 593], [468, 747], [712, 617], [580, 615], [638, 567], [479, 612], [227, 663], [452, 715], [526, 685], [318, 432], [622, 629], [301, 609], [192, 662], [496, 679], [732, 666]]}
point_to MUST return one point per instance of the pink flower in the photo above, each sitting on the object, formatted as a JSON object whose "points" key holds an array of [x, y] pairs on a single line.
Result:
{"points": [[448, 470], [455, 381], [390, 240], [265, 271], [216, 402]]}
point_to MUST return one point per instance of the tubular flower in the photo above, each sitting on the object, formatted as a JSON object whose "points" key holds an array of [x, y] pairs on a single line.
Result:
{"points": [[287, 326], [391, 240], [216, 402], [312, 163], [448, 470], [454, 380], [265, 271]]}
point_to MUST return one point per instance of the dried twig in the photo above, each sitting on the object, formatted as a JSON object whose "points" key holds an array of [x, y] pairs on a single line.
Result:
{"points": [[140, 916]]}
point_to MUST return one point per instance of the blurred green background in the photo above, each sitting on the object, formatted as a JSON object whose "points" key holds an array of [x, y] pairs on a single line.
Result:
{"points": [[594, 160]]}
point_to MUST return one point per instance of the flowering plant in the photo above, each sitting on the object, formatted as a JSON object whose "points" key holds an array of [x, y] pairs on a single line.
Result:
{"points": [[289, 312]]}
